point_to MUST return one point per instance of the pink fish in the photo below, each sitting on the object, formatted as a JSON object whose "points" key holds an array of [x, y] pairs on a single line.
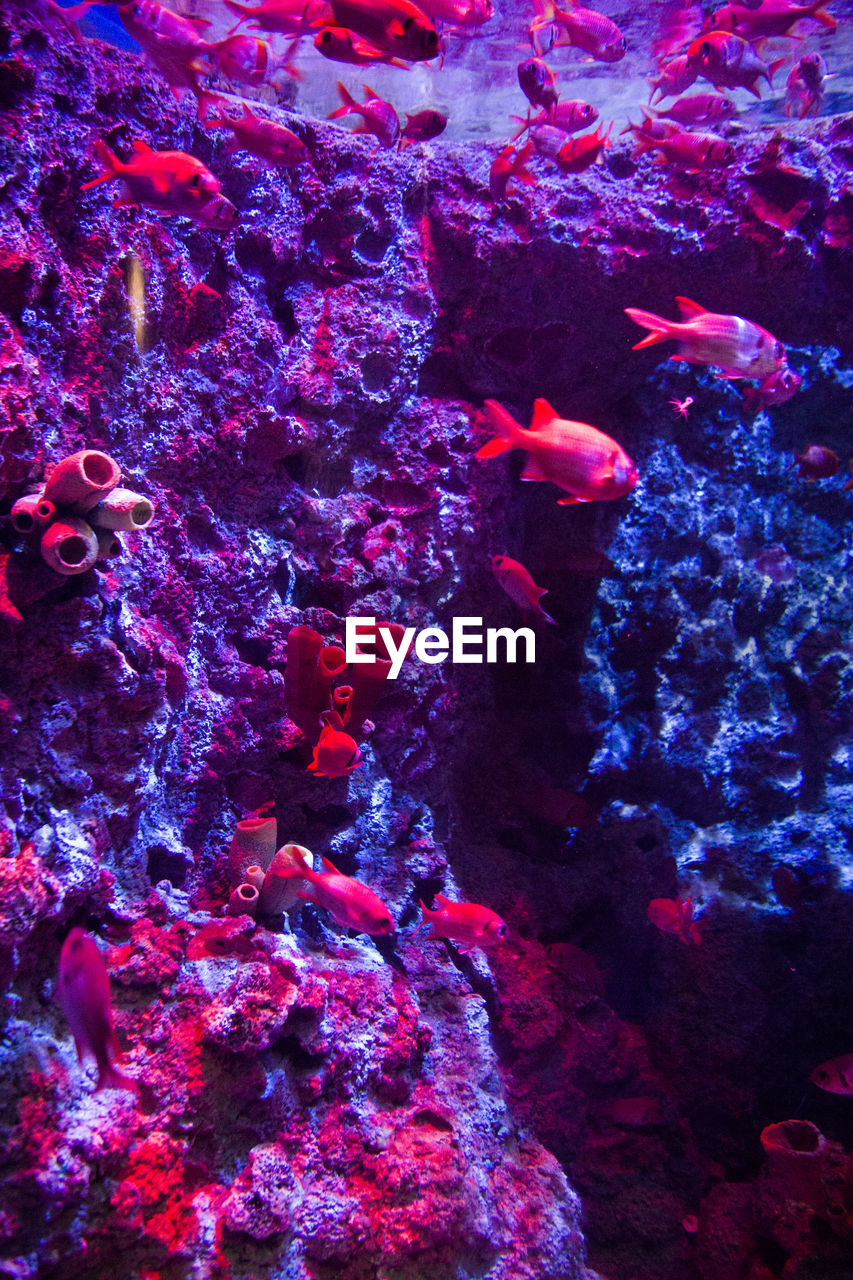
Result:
{"points": [[462, 13], [775, 389], [692, 151], [68, 16], [804, 86], [699, 108], [680, 22], [171, 182], [579, 153], [675, 916], [835, 1076], [729, 62], [537, 83], [816, 462], [347, 900], [269, 141], [244, 59], [739, 347], [567, 117], [582, 460], [770, 18], [341, 45], [378, 116], [336, 753], [466, 923], [591, 31], [519, 586], [282, 17], [83, 992], [397, 26], [423, 126], [507, 165], [673, 77]]}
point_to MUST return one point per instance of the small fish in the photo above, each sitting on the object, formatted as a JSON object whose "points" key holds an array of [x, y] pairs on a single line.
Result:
{"points": [[281, 17], [171, 182], [423, 126], [591, 31], [775, 389], [695, 152], [739, 347], [83, 992], [682, 407], [680, 23], [700, 108], [397, 26], [462, 13], [578, 458], [635, 1113], [674, 915], [340, 45], [378, 116], [244, 59], [729, 62], [466, 923], [271, 142], [558, 806], [507, 165], [347, 900], [519, 586], [835, 1076], [770, 18], [816, 462], [336, 753], [579, 153], [537, 83], [160, 30], [804, 86], [566, 117], [68, 16], [674, 77]]}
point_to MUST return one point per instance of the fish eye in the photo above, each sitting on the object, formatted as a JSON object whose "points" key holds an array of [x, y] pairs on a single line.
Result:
{"points": [[780, 350], [326, 37], [432, 39], [501, 930], [195, 181], [704, 49]]}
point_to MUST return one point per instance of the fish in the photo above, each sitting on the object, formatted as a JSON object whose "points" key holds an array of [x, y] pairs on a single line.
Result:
{"points": [[68, 16], [568, 117], [281, 17], [675, 915], [816, 462], [695, 152], [775, 389], [579, 153], [245, 59], [537, 83], [580, 459], [466, 923], [673, 77], [160, 30], [340, 45], [336, 753], [804, 86], [836, 1075], [519, 586], [507, 165], [729, 62], [699, 108], [770, 18], [397, 26], [591, 31], [739, 347], [348, 901], [172, 182], [680, 23], [83, 992], [423, 126], [271, 142], [462, 13], [378, 116]]}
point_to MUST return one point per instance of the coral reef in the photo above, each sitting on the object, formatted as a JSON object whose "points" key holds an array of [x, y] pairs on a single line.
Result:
{"points": [[303, 405]]}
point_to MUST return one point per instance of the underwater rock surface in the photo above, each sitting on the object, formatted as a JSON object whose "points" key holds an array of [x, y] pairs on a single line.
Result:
{"points": [[303, 407]]}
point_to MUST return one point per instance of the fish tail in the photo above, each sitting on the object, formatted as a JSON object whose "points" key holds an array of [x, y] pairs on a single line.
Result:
{"points": [[547, 616], [519, 164], [111, 163], [660, 329], [773, 68], [822, 15], [109, 1077], [427, 916], [508, 431], [243, 12], [348, 103]]}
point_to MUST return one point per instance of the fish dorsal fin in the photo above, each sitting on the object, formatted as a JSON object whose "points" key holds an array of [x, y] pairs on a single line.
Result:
{"points": [[329, 866], [542, 415], [439, 897], [371, 93], [141, 148], [690, 310], [332, 720], [532, 469]]}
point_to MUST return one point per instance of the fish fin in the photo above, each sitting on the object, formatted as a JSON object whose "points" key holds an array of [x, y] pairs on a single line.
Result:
{"points": [[542, 415], [349, 102], [109, 1077], [821, 15], [506, 427], [330, 866], [141, 148], [332, 719], [532, 469], [439, 897], [547, 617], [771, 71], [111, 163], [658, 326], [689, 309], [695, 934], [371, 93], [570, 502]]}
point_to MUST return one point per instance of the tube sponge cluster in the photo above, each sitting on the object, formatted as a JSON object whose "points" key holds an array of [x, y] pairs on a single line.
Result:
{"points": [[259, 874], [79, 511]]}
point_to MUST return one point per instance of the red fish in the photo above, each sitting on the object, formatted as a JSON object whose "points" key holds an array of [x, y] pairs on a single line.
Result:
{"points": [[269, 141], [245, 59], [804, 86], [729, 62], [160, 30], [816, 462], [68, 16], [466, 923], [423, 126], [579, 153], [591, 31], [347, 900], [674, 77], [675, 916], [83, 992], [692, 151], [378, 116], [282, 17], [680, 22], [397, 26], [775, 389], [519, 586], [507, 165], [340, 45], [537, 83], [336, 753], [700, 108], [579, 458], [740, 348], [770, 18], [169, 181], [835, 1076], [566, 117], [462, 13]]}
